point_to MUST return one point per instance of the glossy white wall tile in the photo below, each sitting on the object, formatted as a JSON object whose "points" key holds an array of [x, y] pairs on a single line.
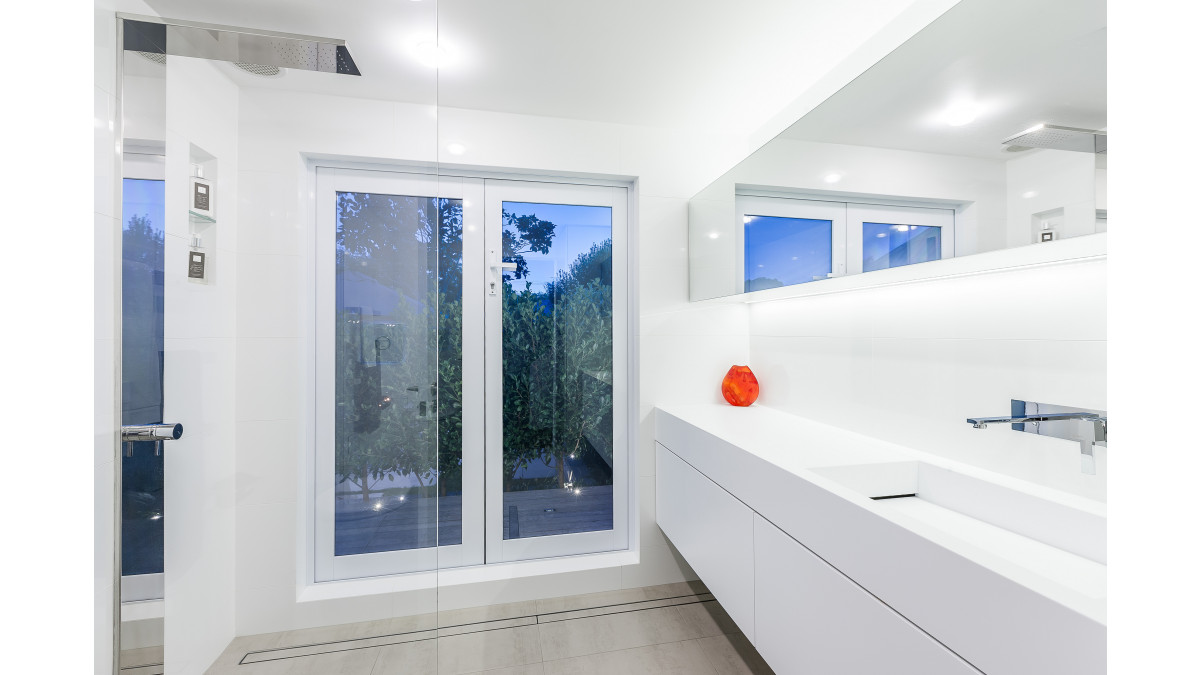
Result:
{"points": [[104, 110], [267, 474], [676, 163], [910, 363], [264, 549], [268, 215], [105, 420], [199, 370], [525, 142], [662, 251], [269, 379], [270, 307]]}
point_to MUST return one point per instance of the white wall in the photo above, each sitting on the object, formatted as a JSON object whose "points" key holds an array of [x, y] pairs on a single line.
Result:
{"points": [[910, 363], [107, 264], [1047, 180], [684, 349], [200, 318]]}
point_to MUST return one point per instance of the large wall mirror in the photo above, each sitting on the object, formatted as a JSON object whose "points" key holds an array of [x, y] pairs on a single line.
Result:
{"points": [[986, 131]]}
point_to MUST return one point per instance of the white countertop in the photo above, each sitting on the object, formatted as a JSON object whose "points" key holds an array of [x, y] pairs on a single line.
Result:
{"points": [[797, 446]]}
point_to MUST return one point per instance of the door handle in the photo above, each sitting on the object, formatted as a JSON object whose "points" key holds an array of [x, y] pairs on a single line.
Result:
{"points": [[155, 433], [498, 266], [151, 432]]}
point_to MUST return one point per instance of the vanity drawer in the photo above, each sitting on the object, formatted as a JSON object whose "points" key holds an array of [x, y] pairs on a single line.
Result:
{"points": [[810, 618], [712, 529]]}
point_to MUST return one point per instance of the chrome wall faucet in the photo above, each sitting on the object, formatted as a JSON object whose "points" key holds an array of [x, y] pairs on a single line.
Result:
{"points": [[1087, 427]]}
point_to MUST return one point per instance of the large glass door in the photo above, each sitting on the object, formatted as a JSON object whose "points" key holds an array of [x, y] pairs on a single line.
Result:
{"points": [[557, 370], [470, 372], [396, 489]]}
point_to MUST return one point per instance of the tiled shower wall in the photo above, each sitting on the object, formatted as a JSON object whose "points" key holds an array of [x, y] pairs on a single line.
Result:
{"points": [[909, 363]]}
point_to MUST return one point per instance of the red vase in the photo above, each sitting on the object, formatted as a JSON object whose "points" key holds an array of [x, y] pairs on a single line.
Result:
{"points": [[740, 387]]}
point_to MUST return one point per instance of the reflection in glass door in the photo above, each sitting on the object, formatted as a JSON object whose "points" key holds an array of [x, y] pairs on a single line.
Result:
{"points": [[471, 372], [389, 383], [143, 215], [556, 370]]}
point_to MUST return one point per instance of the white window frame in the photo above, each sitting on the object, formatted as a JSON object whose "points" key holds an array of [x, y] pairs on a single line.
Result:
{"points": [[857, 214], [330, 567], [500, 550]]}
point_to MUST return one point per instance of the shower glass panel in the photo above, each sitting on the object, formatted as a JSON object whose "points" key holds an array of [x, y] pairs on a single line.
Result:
{"points": [[558, 367]]}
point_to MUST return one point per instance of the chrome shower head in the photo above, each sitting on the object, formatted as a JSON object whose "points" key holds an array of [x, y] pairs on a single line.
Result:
{"points": [[1054, 137], [256, 51]]}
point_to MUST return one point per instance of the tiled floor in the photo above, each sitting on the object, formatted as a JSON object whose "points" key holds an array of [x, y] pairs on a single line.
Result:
{"points": [[145, 661], [677, 628]]}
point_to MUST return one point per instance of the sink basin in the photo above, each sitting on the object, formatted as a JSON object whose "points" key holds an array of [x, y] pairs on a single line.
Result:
{"points": [[1064, 541]]}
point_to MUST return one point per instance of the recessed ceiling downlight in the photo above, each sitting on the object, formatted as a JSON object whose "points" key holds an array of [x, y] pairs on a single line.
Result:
{"points": [[456, 148], [960, 113]]}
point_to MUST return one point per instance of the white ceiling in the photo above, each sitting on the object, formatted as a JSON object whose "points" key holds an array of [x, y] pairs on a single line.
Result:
{"points": [[1023, 61], [672, 63]]}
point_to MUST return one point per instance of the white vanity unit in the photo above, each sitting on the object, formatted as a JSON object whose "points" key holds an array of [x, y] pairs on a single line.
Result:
{"points": [[974, 572]]}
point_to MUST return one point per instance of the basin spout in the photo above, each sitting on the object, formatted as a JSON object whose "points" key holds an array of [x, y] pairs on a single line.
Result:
{"points": [[1087, 427]]}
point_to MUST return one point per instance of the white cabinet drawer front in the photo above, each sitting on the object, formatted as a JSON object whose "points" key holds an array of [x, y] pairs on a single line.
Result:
{"points": [[810, 618], [714, 532]]}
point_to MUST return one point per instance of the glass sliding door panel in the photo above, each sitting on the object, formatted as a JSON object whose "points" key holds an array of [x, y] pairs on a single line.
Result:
{"points": [[449, 401], [888, 245], [391, 368], [557, 373], [783, 251], [143, 215]]}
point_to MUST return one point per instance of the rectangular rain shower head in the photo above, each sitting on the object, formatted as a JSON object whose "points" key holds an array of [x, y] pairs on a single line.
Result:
{"points": [[1054, 137], [155, 35]]}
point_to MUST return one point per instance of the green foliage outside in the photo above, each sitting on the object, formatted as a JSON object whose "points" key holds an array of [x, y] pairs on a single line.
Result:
{"points": [[398, 386]]}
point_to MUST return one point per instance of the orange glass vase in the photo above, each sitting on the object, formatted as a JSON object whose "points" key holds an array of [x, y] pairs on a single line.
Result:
{"points": [[740, 387]]}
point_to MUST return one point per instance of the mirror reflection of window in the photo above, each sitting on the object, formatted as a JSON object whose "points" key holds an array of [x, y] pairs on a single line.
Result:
{"points": [[888, 245], [785, 251], [1008, 138]]}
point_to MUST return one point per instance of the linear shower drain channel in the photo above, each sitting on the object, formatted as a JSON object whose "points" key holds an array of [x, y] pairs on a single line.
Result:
{"points": [[430, 632]]}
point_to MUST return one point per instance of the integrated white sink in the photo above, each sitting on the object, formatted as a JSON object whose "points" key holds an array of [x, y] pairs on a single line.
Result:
{"points": [[1063, 541]]}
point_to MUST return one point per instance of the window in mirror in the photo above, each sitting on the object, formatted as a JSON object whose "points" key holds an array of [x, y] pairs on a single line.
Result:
{"points": [[785, 251], [883, 236], [787, 241], [894, 245]]}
